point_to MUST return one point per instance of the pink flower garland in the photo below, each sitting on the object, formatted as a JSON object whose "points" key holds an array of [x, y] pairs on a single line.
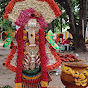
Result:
{"points": [[20, 56], [41, 21], [26, 15], [42, 56]]}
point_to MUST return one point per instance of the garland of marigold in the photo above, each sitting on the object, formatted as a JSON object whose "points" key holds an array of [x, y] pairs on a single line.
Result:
{"points": [[9, 58], [43, 58], [80, 78], [19, 58], [9, 8], [51, 3], [57, 38]]}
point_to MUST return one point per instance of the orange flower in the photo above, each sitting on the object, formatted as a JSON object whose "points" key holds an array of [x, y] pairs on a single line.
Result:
{"points": [[5, 16], [9, 8]]}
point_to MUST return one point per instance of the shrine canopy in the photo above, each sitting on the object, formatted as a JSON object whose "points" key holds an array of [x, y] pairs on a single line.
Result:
{"points": [[48, 9]]}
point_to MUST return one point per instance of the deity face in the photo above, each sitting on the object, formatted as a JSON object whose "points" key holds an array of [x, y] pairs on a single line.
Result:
{"points": [[31, 27]]}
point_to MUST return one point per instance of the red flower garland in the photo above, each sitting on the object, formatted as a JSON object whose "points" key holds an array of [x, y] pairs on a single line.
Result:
{"points": [[57, 39], [9, 58], [51, 3], [20, 55], [42, 55], [9, 8], [68, 58]]}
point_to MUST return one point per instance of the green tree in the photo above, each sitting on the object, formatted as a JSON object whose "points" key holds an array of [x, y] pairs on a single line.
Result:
{"points": [[6, 24], [77, 21], [3, 23], [61, 23]]}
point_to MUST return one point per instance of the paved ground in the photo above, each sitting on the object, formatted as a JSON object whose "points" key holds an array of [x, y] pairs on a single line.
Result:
{"points": [[7, 77]]}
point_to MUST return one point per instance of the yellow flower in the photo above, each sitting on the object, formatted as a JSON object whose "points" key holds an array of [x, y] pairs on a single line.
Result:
{"points": [[85, 80], [63, 68], [76, 74], [83, 84], [25, 37], [73, 73], [81, 76], [18, 85], [85, 73], [37, 37], [26, 44], [44, 84], [76, 80], [78, 84], [25, 52], [25, 31], [68, 70]]}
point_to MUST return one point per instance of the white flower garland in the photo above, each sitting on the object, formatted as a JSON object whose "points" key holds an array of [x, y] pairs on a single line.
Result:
{"points": [[39, 6]]}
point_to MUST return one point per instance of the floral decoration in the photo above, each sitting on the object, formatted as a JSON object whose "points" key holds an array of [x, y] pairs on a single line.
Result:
{"points": [[25, 15], [48, 9], [80, 78], [9, 8], [20, 12], [42, 56], [54, 7], [68, 58], [18, 85], [58, 63], [9, 58], [20, 56]]}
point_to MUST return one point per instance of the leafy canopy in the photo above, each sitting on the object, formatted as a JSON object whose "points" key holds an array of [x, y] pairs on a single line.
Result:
{"points": [[64, 17]]}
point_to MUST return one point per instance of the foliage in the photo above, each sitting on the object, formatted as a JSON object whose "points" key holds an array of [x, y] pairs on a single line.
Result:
{"points": [[6, 86], [57, 22], [6, 24], [64, 17], [3, 4], [77, 21]]}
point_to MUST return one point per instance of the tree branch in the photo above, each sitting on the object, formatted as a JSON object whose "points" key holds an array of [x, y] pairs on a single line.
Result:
{"points": [[66, 4]]}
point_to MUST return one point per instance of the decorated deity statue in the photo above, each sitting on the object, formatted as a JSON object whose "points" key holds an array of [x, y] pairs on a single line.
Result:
{"points": [[35, 47]]}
